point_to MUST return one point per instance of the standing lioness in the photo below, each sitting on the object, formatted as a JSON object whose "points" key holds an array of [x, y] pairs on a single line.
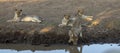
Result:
{"points": [[76, 31]]}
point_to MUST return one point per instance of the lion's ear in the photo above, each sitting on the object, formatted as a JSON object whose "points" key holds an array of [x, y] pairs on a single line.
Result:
{"points": [[69, 16], [64, 15], [81, 11], [15, 9], [21, 10]]}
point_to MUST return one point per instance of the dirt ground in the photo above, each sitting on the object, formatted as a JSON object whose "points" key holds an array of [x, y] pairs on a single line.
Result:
{"points": [[52, 11]]}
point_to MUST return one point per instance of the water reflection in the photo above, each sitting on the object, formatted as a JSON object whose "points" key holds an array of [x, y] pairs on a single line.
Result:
{"points": [[74, 49], [95, 48]]}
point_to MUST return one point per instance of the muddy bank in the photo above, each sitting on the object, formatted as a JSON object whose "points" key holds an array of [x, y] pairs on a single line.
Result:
{"points": [[58, 35], [52, 11], [46, 35], [21, 47]]}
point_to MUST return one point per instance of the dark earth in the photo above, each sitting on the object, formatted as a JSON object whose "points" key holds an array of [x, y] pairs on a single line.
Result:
{"points": [[107, 31]]}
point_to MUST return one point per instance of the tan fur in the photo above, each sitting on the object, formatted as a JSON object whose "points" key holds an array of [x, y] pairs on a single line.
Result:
{"points": [[73, 37], [31, 19], [76, 30], [67, 21], [16, 16], [25, 18], [85, 17]]}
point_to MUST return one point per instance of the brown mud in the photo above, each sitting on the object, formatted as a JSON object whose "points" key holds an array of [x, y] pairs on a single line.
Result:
{"points": [[58, 35], [52, 11]]}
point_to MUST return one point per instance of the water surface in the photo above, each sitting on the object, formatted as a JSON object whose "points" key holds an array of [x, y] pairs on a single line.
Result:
{"points": [[94, 48]]}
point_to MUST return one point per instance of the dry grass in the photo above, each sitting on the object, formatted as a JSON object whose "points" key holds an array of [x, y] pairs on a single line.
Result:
{"points": [[46, 29], [53, 10]]}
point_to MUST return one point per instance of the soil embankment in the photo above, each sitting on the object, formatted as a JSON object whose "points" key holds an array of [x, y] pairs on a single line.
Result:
{"points": [[52, 11]]}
